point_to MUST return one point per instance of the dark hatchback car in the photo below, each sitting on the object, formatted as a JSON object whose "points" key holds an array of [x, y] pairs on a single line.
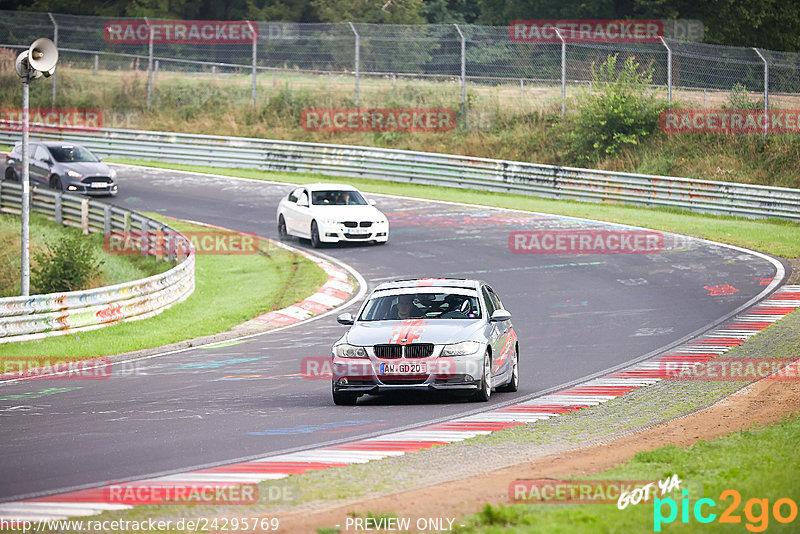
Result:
{"points": [[64, 166]]}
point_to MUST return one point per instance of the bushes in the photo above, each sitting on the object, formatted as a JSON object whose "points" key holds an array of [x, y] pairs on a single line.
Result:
{"points": [[67, 264], [618, 110]]}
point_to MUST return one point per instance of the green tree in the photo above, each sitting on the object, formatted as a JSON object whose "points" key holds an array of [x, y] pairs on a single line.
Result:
{"points": [[371, 11], [618, 110]]}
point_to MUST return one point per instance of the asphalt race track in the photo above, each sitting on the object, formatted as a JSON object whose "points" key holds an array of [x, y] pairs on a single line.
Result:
{"points": [[575, 315]]}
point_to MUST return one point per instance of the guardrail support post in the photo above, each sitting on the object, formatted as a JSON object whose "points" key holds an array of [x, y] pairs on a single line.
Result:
{"points": [[59, 209], [85, 216], [669, 73], [96, 63], [358, 56], [766, 90], [106, 219], [55, 41]]}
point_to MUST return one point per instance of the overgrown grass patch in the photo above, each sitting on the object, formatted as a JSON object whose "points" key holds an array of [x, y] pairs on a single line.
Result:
{"points": [[114, 270], [230, 289], [756, 463]]}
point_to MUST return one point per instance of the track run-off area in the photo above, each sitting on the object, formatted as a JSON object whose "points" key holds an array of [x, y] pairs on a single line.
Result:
{"points": [[577, 316]]}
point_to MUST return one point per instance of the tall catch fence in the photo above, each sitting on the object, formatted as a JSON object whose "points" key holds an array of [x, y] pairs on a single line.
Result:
{"points": [[373, 57]]}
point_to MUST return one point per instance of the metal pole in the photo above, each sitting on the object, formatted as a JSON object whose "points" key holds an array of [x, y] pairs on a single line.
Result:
{"points": [[149, 63], [55, 41], [766, 90], [358, 56], [255, 45], [463, 67], [669, 71], [563, 73], [96, 64], [26, 186]]}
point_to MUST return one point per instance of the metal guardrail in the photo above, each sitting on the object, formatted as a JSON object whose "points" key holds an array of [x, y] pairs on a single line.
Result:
{"points": [[38, 316], [546, 181]]}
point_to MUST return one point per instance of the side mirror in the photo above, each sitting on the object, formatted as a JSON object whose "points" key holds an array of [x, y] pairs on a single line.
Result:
{"points": [[500, 315], [371, 202], [303, 203], [99, 158], [345, 319]]}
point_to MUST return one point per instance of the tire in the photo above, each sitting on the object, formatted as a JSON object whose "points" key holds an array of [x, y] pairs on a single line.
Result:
{"points": [[485, 391], [282, 233], [513, 383], [343, 399], [11, 175], [55, 183], [315, 242]]}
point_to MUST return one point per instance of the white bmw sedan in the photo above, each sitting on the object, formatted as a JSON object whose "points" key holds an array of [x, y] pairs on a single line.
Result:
{"points": [[331, 213]]}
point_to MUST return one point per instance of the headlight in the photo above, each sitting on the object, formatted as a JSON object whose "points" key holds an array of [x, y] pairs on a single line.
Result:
{"points": [[461, 349], [384, 221], [113, 173], [329, 221], [350, 351], [74, 174]]}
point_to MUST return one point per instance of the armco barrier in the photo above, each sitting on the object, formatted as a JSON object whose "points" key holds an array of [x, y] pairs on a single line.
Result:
{"points": [[437, 169], [37, 316]]}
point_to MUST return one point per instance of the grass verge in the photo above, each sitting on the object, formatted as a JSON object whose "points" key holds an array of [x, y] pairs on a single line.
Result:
{"points": [[773, 236], [756, 463], [114, 270], [229, 290]]}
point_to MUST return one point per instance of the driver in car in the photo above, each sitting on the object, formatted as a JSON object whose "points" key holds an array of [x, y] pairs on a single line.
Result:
{"points": [[406, 308]]}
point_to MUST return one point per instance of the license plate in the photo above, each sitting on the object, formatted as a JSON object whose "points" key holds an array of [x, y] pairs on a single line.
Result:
{"points": [[357, 231], [98, 185], [401, 368]]}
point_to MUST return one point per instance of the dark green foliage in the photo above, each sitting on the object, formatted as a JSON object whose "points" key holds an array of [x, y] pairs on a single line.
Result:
{"points": [[68, 264], [618, 110]]}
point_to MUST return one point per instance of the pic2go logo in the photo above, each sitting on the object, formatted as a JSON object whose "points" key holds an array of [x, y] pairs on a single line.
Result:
{"points": [[756, 511]]}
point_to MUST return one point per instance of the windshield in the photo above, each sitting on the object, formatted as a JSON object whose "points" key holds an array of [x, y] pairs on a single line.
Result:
{"points": [[343, 198], [71, 153], [437, 305]]}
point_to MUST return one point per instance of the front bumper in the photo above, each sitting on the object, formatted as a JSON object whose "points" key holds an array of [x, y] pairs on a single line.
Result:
{"points": [[337, 233], [86, 189], [370, 376]]}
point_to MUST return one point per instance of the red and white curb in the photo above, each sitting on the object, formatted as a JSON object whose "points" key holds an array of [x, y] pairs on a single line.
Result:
{"points": [[337, 290], [732, 333]]}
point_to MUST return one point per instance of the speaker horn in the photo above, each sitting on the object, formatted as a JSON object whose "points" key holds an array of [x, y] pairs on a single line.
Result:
{"points": [[43, 56]]}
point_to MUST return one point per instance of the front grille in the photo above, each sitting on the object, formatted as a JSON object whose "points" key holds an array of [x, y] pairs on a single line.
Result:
{"points": [[90, 179], [364, 236], [414, 350], [365, 224], [409, 380], [350, 224], [419, 350], [388, 352]]}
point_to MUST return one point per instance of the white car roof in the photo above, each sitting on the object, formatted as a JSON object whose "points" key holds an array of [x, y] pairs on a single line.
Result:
{"points": [[330, 187]]}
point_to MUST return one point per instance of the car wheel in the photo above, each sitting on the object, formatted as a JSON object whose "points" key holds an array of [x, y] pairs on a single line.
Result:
{"points": [[315, 242], [513, 383], [485, 391], [11, 175], [343, 399], [282, 233], [55, 183]]}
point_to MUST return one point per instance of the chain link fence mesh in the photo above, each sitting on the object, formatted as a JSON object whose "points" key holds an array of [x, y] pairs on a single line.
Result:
{"points": [[373, 65]]}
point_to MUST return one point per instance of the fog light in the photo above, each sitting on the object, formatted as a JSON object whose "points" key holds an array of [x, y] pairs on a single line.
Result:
{"points": [[342, 382], [72, 188], [468, 378]]}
